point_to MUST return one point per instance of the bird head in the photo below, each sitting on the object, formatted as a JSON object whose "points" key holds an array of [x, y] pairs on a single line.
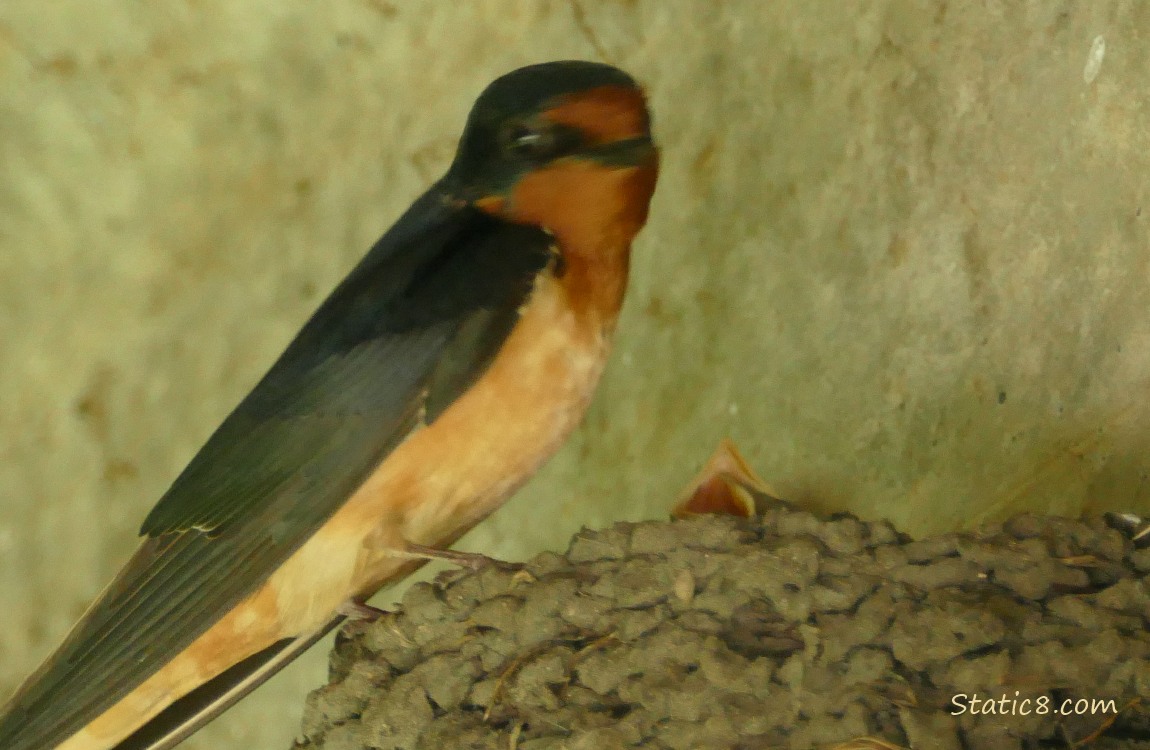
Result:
{"points": [[561, 145]]}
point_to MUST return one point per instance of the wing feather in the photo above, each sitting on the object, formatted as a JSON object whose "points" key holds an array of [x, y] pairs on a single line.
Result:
{"points": [[346, 391]]}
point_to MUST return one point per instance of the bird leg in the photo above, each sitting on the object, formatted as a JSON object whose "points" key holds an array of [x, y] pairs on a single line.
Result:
{"points": [[469, 560], [359, 610]]}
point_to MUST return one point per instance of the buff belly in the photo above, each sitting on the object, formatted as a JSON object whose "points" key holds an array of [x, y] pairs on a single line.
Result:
{"points": [[442, 480]]}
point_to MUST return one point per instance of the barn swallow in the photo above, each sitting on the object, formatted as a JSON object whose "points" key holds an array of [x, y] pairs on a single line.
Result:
{"points": [[439, 375]]}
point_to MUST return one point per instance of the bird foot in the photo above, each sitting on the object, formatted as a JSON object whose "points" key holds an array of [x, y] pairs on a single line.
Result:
{"points": [[469, 560], [358, 611]]}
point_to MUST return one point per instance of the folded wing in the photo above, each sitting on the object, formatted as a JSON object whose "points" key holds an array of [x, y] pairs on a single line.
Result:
{"points": [[412, 327]]}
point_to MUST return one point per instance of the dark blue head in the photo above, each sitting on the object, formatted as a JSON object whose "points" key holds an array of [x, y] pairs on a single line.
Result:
{"points": [[536, 116]]}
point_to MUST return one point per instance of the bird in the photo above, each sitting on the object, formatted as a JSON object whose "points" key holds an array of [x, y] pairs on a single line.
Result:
{"points": [[726, 485], [452, 361]]}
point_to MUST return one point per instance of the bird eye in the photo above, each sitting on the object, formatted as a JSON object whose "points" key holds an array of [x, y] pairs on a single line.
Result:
{"points": [[530, 141]]}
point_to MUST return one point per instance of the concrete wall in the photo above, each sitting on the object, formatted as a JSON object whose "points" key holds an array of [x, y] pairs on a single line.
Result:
{"points": [[898, 252]]}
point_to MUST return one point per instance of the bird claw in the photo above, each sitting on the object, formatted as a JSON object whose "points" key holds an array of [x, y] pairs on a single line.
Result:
{"points": [[468, 560], [358, 611]]}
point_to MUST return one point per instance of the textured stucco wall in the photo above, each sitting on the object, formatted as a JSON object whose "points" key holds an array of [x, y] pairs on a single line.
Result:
{"points": [[898, 252]]}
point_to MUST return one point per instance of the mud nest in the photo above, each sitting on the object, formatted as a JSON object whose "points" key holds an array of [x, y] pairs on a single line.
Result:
{"points": [[785, 631]]}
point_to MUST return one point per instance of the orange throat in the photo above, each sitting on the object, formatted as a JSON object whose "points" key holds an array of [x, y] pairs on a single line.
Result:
{"points": [[594, 212]]}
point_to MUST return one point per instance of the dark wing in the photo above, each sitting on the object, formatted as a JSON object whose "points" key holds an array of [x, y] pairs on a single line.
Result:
{"points": [[441, 287], [187, 715]]}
